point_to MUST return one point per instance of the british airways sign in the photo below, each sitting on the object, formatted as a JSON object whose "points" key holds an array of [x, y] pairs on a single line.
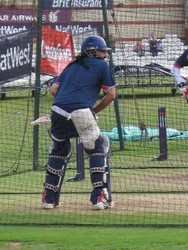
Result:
{"points": [[12, 22]]}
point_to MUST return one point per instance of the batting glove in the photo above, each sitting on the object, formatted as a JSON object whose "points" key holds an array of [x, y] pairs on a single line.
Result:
{"points": [[182, 87], [185, 94]]}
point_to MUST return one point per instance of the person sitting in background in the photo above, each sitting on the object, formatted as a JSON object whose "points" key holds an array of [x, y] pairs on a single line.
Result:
{"points": [[160, 46], [139, 49], [153, 44]]}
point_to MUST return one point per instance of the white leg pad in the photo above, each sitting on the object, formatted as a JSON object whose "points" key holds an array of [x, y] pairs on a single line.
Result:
{"points": [[86, 126]]}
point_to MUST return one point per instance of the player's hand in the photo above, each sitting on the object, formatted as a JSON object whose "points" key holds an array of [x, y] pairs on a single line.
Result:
{"points": [[185, 94], [182, 87]]}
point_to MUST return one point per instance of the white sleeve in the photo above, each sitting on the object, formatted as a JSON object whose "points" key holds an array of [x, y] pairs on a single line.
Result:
{"points": [[177, 75]]}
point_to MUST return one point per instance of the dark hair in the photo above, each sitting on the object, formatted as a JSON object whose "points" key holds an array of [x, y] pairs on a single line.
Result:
{"points": [[79, 59]]}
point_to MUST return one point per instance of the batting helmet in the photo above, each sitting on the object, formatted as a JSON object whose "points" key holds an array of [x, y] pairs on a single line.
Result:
{"points": [[93, 43]]}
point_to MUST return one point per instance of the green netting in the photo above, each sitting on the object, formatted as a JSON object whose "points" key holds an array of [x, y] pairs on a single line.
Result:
{"points": [[145, 191]]}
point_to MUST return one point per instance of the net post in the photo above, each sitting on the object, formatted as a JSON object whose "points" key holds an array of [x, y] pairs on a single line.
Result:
{"points": [[116, 105], [37, 84]]}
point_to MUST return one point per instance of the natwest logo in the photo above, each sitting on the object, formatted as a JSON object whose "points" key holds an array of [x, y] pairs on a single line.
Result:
{"points": [[74, 29], [11, 29]]}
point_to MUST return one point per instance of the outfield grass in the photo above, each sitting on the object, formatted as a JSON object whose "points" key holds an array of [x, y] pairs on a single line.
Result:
{"points": [[97, 238]]}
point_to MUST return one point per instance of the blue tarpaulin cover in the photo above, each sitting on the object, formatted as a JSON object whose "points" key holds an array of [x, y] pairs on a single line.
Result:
{"points": [[133, 133]]}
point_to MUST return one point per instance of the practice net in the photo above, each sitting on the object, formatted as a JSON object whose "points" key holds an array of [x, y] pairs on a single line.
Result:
{"points": [[146, 125]]}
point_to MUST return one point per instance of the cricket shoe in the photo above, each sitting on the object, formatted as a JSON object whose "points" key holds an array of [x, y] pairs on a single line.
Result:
{"points": [[102, 203], [46, 205], [111, 204]]}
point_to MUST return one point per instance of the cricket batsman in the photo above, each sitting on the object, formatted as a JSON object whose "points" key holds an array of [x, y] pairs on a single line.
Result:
{"points": [[73, 114]]}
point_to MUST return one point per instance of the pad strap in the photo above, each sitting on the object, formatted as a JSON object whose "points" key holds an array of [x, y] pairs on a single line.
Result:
{"points": [[65, 158], [54, 171], [98, 184], [51, 187], [97, 170], [99, 154]]}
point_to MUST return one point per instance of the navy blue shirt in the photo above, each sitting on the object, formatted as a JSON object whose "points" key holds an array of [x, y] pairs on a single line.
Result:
{"points": [[79, 86], [182, 61]]}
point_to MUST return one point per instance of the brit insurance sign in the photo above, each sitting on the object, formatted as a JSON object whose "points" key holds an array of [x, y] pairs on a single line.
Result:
{"points": [[57, 4]]}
